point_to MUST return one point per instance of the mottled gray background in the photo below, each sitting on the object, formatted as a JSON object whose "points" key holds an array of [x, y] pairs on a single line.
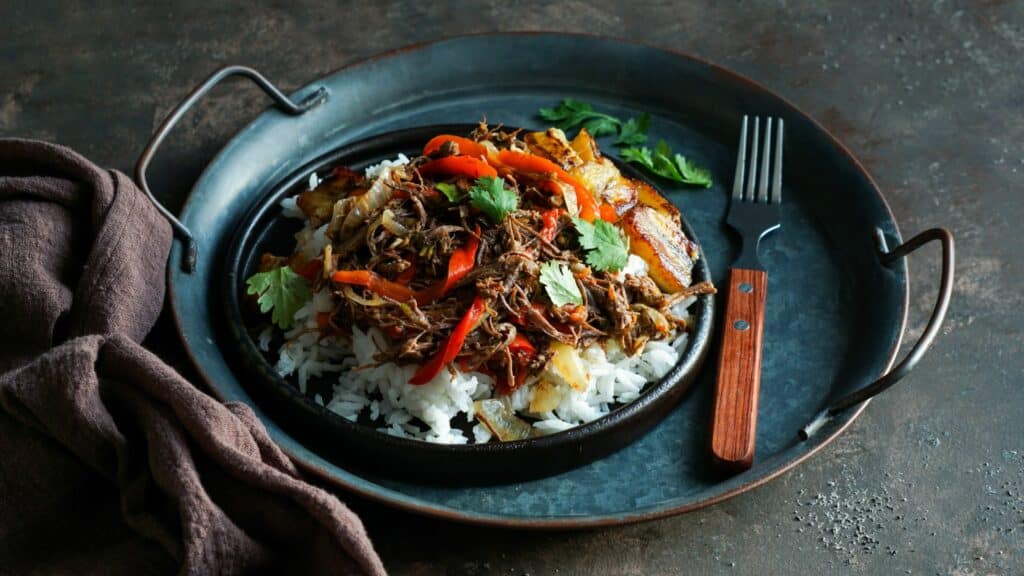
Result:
{"points": [[928, 94]]}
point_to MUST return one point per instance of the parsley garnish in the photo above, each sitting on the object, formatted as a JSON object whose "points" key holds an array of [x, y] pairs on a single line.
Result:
{"points": [[634, 131], [450, 191], [606, 249], [560, 284], [491, 197], [280, 290], [668, 165], [572, 113]]}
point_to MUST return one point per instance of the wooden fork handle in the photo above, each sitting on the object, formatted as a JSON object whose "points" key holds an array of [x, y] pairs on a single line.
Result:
{"points": [[734, 425]]}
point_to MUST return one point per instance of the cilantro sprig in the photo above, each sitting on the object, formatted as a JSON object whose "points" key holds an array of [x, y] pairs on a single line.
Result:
{"points": [[664, 163], [560, 284], [572, 113], [490, 196], [606, 251], [634, 131], [281, 291], [631, 136]]}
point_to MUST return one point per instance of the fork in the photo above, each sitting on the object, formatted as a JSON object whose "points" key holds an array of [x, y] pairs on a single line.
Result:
{"points": [[753, 213]]}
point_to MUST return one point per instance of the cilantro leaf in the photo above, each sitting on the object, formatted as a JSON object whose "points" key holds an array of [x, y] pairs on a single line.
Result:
{"points": [[641, 156], [632, 134], [571, 113], [668, 165], [601, 126], [664, 166], [280, 290], [692, 174], [491, 197], [450, 191], [606, 249], [564, 111], [560, 284], [634, 131]]}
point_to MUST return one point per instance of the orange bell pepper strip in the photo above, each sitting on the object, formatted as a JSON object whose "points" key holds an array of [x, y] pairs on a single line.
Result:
{"points": [[467, 147], [467, 166], [608, 213], [375, 283], [452, 346], [529, 163]]}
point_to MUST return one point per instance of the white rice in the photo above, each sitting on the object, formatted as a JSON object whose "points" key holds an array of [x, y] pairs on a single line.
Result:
{"points": [[427, 412]]}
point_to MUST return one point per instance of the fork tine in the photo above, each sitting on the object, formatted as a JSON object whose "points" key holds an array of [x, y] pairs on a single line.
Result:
{"points": [[752, 177], [762, 185], [741, 163], [776, 196]]}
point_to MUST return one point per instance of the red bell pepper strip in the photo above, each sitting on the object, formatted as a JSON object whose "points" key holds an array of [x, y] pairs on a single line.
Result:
{"points": [[406, 276], [521, 318], [323, 319], [524, 162], [521, 346], [502, 385], [467, 147], [550, 220], [375, 283], [461, 262], [467, 166], [451, 347], [522, 351], [310, 270]]}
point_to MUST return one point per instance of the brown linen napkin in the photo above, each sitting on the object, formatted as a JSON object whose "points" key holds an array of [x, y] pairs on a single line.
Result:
{"points": [[110, 461]]}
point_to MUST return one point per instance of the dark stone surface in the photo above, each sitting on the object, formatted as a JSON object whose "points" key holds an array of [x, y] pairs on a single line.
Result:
{"points": [[928, 94]]}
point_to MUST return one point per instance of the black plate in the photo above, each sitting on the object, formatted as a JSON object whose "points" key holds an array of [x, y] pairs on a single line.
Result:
{"points": [[264, 229]]}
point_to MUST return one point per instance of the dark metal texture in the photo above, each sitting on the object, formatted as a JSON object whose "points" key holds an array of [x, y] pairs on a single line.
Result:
{"points": [[190, 254], [931, 330], [928, 480]]}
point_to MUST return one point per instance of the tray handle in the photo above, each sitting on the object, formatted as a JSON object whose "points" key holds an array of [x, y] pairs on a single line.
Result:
{"points": [[286, 104], [923, 343]]}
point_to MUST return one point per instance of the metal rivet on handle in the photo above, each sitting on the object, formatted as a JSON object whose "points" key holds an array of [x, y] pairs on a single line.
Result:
{"points": [[740, 325], [747, 288]]}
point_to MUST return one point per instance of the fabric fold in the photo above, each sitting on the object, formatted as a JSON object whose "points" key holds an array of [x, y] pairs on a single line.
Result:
{"points": [[106, 446]]}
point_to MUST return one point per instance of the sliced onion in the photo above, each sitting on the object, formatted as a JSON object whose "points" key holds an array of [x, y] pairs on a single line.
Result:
{"points": [[391, 224], [501, 420], [352, 295], [378, 195]]}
